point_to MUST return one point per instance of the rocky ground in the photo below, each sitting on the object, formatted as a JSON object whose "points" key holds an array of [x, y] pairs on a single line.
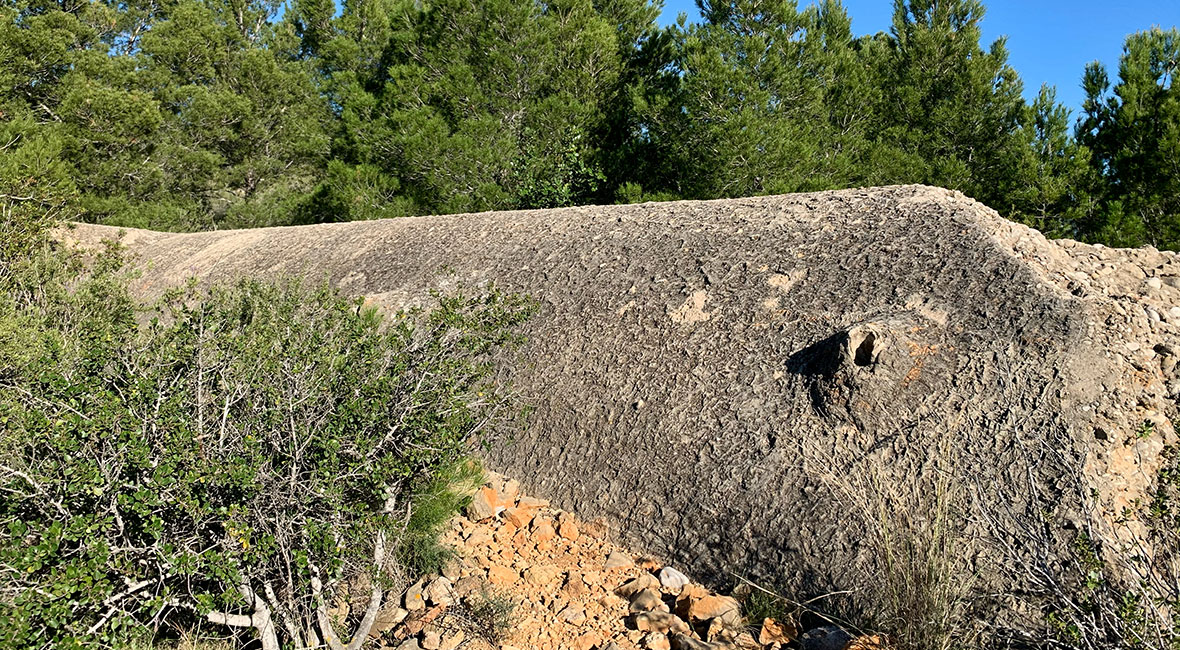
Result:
{"points": [[529, 576]]}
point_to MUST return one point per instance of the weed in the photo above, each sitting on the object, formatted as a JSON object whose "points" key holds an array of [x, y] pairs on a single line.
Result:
{"points": [[1129, 599], [922, 586], [491, 616], [1145, 430], [762, 604]]}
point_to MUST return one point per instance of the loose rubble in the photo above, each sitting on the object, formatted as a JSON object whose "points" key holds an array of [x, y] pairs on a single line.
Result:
{"points": [[563, 584]]}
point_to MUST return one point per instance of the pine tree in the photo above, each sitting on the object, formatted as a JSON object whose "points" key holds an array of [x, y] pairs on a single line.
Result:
{"points": [[1055, 192], [190, 114], [244, 136], [39, 44], [748, 115], [179, 114], [1133, 132], [469, 106], [954, 108]]}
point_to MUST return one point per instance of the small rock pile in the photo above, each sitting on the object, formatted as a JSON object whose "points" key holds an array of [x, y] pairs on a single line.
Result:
{"points": [[562, 584]]}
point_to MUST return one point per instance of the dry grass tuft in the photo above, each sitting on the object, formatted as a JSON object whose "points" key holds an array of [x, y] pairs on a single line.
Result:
{"points": [[923, 586]]}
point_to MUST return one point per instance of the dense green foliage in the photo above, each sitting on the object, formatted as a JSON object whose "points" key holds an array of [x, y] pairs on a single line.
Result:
{"points": [[1133, 134], [174, 463], [177, 115], [197, 114]]}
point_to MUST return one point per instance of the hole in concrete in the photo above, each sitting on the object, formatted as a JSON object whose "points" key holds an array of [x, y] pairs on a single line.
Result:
{"points": [[864, 351]]}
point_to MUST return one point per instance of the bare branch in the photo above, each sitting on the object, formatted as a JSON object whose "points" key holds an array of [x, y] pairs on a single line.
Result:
{"points": [[112, 602], [260, 620], [321, 611], [288, 622], [366, 624]]}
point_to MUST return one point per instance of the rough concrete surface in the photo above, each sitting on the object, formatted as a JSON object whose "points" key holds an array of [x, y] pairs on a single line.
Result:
{"points": [[730, 382]]}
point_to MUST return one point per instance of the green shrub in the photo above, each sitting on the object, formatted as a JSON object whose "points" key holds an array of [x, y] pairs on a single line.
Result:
{"points": [[236, 456]]}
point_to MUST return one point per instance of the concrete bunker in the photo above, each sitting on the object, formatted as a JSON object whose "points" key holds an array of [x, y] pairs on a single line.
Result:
{"points": [[701, 370]]}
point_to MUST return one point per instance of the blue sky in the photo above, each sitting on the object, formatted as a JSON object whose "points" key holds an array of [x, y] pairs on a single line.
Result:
{"points": [[1050, 41]]}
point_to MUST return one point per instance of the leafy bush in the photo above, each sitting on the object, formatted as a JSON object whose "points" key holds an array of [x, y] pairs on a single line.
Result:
{"points": [[238, 455]]}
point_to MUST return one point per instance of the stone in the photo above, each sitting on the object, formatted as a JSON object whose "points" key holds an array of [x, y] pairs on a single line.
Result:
{"points": [[638, 584], [409, 644], [569, 530], [611, 601], [413, 599], [520, 517], [688, 595], [388, 617], [520, 541], [656, 641], [657, 621], [725, 608], [543, 531], [501, 576], [574, 586], [773, 631], [618, 560], [484, 504], [573, 614], [466, 586], [431, 640], [478, 539], [590, 640], [592, 578], [439, 592], [452, 640], [645, 600], [417, 621], [542, 574], [509, 492], [530, 502], [944, 287], [717, 631], [503, 535], [828, 637], [686, 642], [673, 580]]}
